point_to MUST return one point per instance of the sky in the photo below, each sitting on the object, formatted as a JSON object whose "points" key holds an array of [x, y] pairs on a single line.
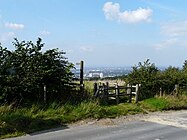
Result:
{"points": [[101, 32]]}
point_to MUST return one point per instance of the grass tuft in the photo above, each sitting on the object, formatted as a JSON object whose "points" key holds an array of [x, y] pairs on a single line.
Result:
{"points": [[20, 121]]}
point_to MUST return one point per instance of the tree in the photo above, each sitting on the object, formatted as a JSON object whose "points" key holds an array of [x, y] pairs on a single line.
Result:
{"points": [[26, 70], [153, 79], [146, 75], [185, 65], [170, 77]]}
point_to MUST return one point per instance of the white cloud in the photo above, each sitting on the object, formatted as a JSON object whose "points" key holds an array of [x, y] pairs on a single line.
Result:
{"points": [[45, 33], [138, 15], [14, 26], [86, 49], [112, 12], [175, 34], [175, 29], [167, 43]]}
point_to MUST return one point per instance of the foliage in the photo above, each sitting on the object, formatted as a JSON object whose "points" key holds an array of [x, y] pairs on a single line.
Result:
{"points": [[164, 103], [146, 75], [24, 120], [27, 120], [169, 78], [155, 104], [25, 70], [153, 80]]}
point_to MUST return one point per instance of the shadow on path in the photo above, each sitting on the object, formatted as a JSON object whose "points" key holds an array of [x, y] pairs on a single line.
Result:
{"points": [[63, 127]]}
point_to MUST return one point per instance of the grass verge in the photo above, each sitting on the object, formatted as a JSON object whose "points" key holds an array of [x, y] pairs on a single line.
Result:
{"points": [[21, 121]]}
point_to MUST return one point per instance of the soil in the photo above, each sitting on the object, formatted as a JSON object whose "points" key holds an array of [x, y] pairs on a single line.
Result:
{"points": [[173, 118]]}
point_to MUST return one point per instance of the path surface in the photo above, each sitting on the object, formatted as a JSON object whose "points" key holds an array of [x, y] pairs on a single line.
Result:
{"points": [[154, 126]]}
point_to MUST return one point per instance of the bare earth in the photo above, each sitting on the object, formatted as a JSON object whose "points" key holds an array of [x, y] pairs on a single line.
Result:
{"points": [[172, 118]]}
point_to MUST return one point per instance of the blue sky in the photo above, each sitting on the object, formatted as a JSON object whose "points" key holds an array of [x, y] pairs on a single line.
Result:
{"points": [[101, 32]]}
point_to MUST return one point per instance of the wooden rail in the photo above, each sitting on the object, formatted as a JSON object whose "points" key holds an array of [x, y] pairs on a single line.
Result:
{"points": [[104, 91]]}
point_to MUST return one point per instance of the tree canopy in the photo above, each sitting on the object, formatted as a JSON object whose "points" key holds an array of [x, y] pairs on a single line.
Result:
{"points": [[25, 70], [152, 79]]}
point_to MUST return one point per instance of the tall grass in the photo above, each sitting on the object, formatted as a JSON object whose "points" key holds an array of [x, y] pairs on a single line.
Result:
{"points": [[165, 103], [20, 121]]}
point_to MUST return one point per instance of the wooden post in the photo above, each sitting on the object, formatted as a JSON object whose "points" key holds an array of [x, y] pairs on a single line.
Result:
{"points": [[95, 89], [176, 90], [81, 78], [161, 94], [45, 96], [117, 93], [105, 91], [137, 93], [107, 86], [129, 92]]}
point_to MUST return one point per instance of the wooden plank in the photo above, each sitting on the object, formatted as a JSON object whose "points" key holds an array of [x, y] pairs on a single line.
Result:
{"points": [[111, 88], [133, 93]]}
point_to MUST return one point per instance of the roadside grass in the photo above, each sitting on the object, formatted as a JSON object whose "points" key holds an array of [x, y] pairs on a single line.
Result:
{"points": [[21, 121], [164, 103]]}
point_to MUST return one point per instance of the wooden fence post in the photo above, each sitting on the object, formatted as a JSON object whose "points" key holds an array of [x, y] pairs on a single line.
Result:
{"points": [[95, 89], [106, 91], [82, 78], [129, 92], [161, 93], [137, 93], [176, 90], [45, 94], [117, 93]]}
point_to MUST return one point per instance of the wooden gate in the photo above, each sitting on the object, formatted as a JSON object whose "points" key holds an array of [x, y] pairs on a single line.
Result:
{"points": [[106, 92]]}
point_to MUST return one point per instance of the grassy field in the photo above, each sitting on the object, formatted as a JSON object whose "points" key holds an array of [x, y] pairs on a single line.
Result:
{"points": [[21, 121]]}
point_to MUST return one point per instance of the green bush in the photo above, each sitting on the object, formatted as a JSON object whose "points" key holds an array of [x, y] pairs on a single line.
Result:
{"points": [[152, 79], [146, 75], [25, 70]]}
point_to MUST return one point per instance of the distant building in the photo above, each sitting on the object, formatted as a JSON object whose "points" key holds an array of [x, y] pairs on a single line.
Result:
{"points": [[95, 74]]}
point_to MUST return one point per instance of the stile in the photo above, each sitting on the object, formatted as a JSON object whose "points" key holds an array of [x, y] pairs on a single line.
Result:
{"points": [[103, 90]]}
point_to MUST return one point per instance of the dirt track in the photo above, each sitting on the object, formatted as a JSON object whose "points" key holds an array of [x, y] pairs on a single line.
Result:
{"points": [[173, 118]]}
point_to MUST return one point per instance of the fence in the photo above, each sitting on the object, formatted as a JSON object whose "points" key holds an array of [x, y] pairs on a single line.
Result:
{"points": [[107, 92], [175, 91]]}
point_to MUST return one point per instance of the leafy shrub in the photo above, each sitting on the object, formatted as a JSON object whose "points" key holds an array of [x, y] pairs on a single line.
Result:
{"points": [[25, 70], [146, 75]]}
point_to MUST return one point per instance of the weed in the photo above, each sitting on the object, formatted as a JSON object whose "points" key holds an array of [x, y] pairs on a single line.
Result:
{"points": [[20, 121]]}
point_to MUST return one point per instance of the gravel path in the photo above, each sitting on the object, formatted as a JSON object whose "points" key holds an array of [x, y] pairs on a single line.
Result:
{"points": [[173, 118]]}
